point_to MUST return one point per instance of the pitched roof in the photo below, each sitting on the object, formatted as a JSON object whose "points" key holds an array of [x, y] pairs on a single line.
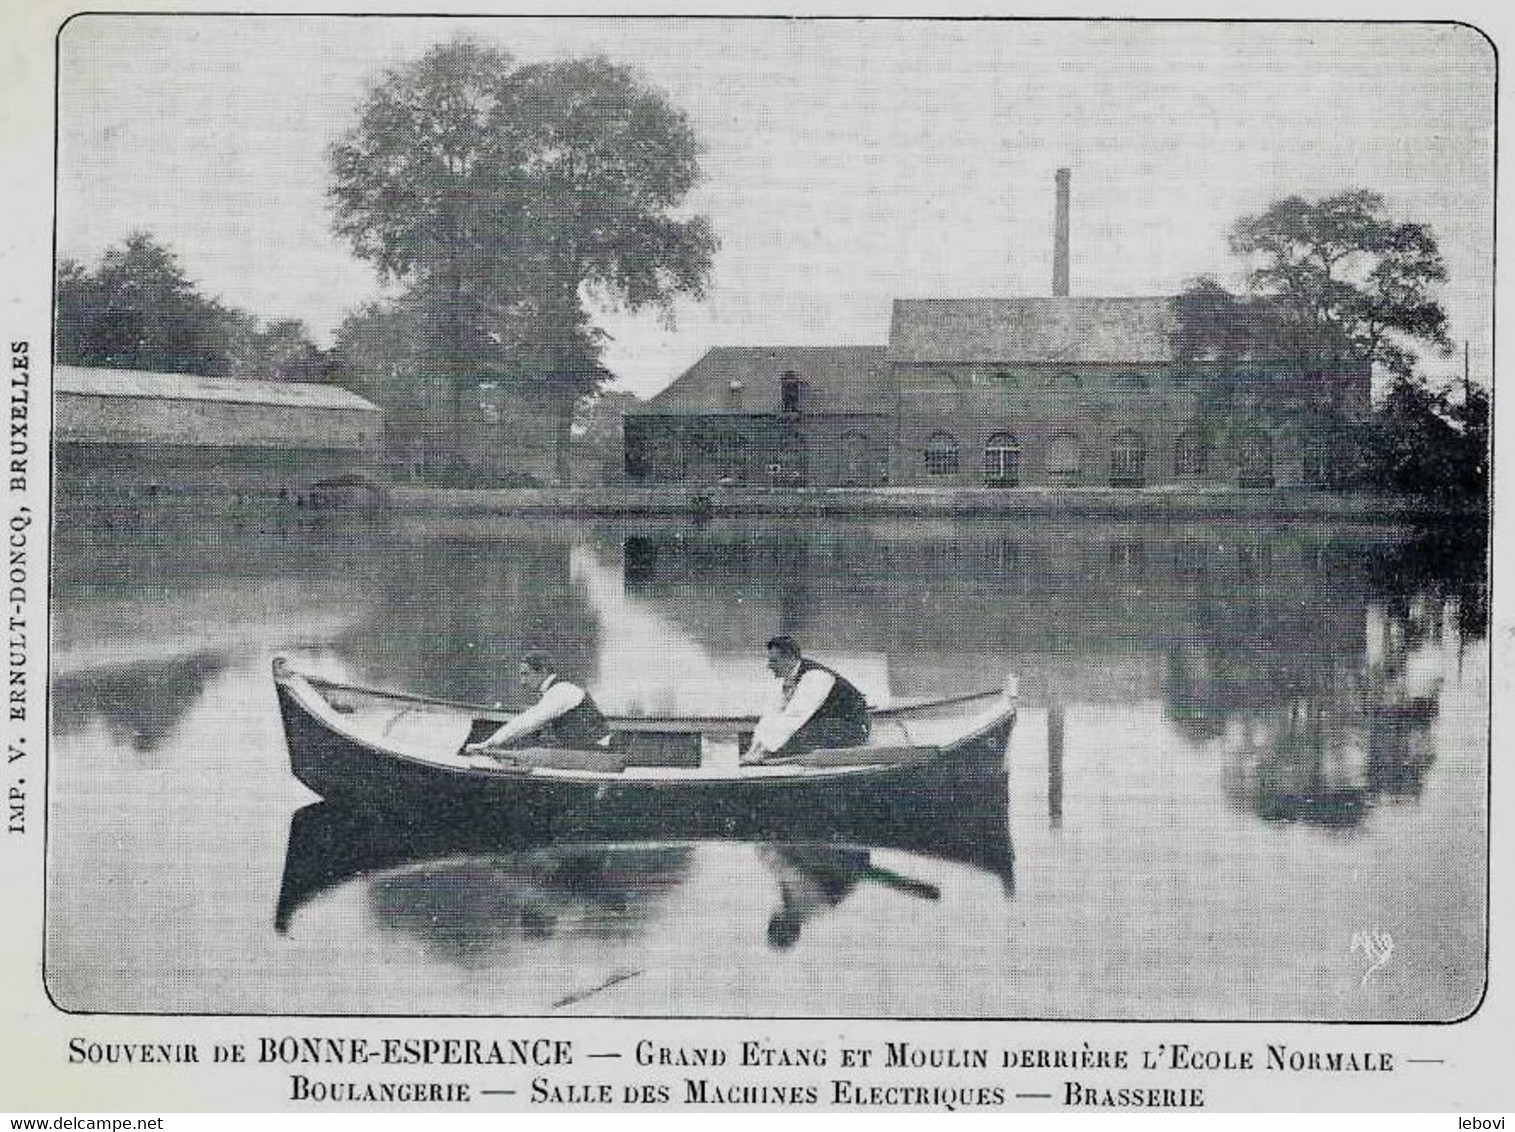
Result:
{"points": [[91, 382], [838, 379], [1032, 330]]}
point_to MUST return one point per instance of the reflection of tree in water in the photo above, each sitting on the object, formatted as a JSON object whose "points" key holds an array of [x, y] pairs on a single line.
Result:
{"points": [[1304, 658], [1189, 697], [1327, 758], [460, 612], [469, 909], [1304, 771], [1444, 566], [140, 704]]}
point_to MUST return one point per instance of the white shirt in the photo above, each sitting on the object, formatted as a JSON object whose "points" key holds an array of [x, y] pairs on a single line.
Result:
{"points": [[793, 709], [558, 697]]}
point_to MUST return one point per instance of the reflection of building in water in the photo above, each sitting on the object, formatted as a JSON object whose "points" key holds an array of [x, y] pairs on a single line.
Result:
{"points": [[146, 614], [1055, 728], [1210, 619], [656, 660]]}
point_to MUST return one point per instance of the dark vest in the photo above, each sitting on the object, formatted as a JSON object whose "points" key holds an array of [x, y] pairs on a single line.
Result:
{"points": [[844, 705], [581, 728]]}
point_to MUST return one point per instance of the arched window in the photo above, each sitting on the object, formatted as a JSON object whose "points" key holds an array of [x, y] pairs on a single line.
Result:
{"points": [[941, 454], [1128, 459], [1002, 460], [1254, 460], [1191, 453], [1065, 457]]}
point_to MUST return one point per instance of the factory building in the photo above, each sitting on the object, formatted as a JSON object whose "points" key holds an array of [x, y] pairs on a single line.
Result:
{"points": [[1057, 390]]}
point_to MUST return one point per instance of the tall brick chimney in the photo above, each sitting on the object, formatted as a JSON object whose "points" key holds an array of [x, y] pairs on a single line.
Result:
{"points": [[1060, 237]]}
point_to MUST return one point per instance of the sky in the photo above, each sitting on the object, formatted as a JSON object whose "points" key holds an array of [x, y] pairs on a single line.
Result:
{"points": [[847, 163]]}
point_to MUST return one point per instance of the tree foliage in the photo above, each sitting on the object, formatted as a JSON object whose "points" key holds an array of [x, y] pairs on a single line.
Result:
{"points": [[1334, 285], [1346, 281], [1429, 441], [138, 310], [506, 199], [375, 353], [282, 350]]}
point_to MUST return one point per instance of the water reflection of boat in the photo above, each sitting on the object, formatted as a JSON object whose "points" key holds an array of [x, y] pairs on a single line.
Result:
{"points": [[402, 754], [612, 863], [814, 878]]}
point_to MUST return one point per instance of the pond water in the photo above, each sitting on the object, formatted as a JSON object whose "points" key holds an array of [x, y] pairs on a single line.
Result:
{"points": [[1249, 778]]}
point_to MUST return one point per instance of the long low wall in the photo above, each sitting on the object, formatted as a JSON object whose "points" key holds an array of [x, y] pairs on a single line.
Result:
{"points": [[921, 502]]}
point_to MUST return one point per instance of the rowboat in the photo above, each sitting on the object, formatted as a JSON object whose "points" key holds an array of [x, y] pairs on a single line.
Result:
{"points": [[404, 754]]}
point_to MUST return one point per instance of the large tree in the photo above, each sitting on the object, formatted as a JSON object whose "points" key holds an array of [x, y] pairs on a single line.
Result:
{"points": [[1346, 281], [1337, 282], [510, 200], [138, 310]]}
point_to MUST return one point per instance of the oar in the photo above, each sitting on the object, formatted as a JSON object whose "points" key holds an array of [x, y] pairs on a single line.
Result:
{"points": [[901, 883]]}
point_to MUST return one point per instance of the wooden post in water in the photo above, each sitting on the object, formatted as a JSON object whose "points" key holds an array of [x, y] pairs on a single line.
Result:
{"points": [[1055, 764]]}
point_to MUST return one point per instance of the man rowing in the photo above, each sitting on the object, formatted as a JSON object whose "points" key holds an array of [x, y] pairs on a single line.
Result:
{"points": [[565, 715], [816, 707]]}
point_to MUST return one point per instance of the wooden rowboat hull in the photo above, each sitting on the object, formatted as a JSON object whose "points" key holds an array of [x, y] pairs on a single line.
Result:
{"points": [[908, 784]]}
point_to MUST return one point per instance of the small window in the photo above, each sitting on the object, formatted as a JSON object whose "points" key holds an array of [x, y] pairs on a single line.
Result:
{"points": [[792, 390], [728, 456], [1002, 460], [1128, 459], [941, 455], [1191, 453], [1317, 461]]}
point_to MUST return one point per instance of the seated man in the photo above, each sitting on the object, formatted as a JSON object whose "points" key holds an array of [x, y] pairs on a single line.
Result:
{"points": [[816, 708], [564, 716]]}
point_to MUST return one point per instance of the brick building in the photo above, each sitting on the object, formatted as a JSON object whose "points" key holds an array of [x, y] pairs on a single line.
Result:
{"points": [[1002, 392], [782, 416]]}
